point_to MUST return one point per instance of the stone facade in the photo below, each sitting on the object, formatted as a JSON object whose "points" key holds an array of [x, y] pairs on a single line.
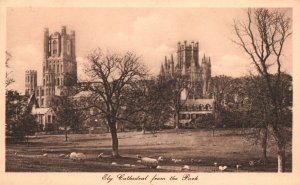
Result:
{"points": [[59, 68], [198, 104], [188, 64]]}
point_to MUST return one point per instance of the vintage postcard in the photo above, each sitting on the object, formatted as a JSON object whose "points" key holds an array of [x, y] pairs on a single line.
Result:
{"points": [[150, 93]]}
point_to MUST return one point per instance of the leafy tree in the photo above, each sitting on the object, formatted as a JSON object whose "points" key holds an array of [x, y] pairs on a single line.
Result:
{"points": [[262, 36], [19, 121], [151, 103], [67, 114]]}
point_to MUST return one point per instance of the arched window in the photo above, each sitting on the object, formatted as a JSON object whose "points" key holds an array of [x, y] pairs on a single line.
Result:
{"points": [[54, 47], [69, 47]]}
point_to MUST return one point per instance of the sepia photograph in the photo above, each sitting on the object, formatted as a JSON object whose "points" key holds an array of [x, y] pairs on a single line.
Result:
{"points": [[188, 90]]}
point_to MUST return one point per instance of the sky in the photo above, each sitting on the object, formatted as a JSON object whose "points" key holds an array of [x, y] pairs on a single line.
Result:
{"points": [[152, 33]]}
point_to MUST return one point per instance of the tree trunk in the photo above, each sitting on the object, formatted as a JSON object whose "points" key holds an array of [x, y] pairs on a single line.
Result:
{"points": [[66, 133], [176, 120], [265, 144], [281, 159], [143, 128], [27, 139], [115, 142]]}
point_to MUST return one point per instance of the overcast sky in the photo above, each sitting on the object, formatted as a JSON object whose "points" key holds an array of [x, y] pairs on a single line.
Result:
{"points": [[151, 33]]}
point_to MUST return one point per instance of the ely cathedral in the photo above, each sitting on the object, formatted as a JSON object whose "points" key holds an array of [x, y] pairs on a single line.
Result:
{"points": [[197, 101], [59, 68], [188, 65], [60, 73]]}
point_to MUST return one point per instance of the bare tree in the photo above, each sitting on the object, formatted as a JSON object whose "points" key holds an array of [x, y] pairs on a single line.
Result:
{"points": [[8, 79], [262, 36], [112, 76], [221, 85]]}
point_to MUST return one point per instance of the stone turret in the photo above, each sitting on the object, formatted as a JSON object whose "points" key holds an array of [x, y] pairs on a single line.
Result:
{"points": [[46, 44], [30, 82]]}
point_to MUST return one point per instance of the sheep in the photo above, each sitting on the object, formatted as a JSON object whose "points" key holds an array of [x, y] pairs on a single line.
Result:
{"points": [[73, 156], [161, 158], [77, 156], [149, 162], [222, 168], [81, 157], [177, 160], [113, 163], [185, 168], [45, 155]]}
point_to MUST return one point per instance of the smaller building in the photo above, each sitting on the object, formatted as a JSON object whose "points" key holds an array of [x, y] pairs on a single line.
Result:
{"points": [[196, 112], [44, 116]]}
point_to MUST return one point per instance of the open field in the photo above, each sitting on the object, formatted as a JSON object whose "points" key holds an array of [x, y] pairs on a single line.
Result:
{"points": [[196, 148]]}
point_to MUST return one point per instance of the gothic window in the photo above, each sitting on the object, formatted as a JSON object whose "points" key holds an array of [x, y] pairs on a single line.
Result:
{"points": [[57, 68], [68, 47], [49, 119], [54, 47], [42, 101]]}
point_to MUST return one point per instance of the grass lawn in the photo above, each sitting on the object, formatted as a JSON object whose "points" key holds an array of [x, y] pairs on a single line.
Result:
{"points": [[196, 148]]}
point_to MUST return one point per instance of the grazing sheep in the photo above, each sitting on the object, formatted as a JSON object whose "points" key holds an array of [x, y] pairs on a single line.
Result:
{"points": [[73, 156], [139, 161], [113, 163], [161, 158], [150, 162], [222, 168], [158, 167], [138, 156], [185, 168], [177, 160], [45, 155], [77, 156], [81, 157]]}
